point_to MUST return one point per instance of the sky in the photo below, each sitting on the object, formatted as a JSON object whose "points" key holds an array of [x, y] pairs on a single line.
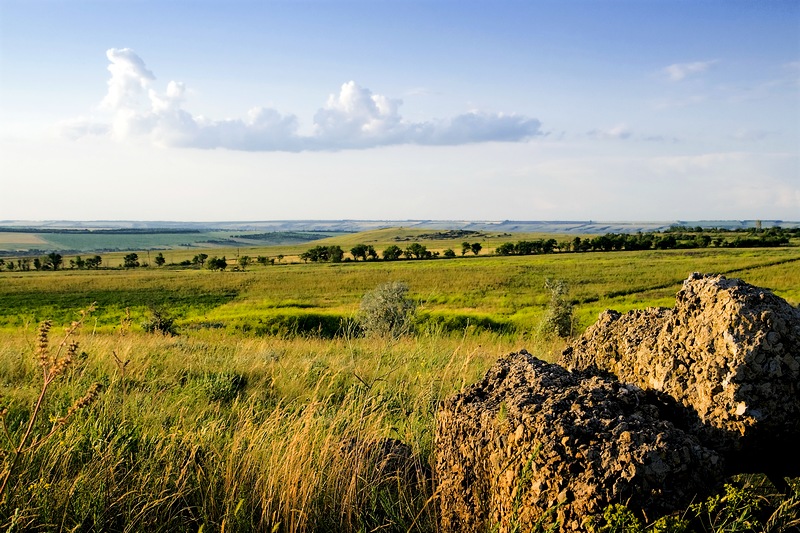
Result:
{"points": [[606, 110]]}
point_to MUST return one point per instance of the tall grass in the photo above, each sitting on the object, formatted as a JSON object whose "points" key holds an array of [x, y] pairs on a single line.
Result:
{"points": [[239, 434]]}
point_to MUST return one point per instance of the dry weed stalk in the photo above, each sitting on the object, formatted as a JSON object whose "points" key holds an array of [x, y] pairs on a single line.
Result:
{"points": [[53, 365]]}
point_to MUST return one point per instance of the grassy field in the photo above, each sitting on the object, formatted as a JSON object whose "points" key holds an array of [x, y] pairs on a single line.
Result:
{"points": [[505, 291], [262, 414]]}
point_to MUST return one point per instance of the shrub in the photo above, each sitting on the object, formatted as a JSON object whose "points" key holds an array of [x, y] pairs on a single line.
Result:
{"points": [[387, 311], [559, 318], [160, 321], [224, 386]]}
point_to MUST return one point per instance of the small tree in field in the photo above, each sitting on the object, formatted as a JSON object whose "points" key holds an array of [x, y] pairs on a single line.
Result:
{"points": [[160, 259], [54, 260], [199, 259], [476, 248], [217, 263], [387, 311], [130, 260], [244, 261]]}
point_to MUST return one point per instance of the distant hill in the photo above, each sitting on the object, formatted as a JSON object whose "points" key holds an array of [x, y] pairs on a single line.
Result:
{"points": [[352, 226]]}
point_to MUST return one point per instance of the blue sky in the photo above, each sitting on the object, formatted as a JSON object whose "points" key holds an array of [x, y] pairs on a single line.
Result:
{"points": [[536, 110]]}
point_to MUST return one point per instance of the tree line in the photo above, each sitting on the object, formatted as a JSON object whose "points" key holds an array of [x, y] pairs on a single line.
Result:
{"points": [[364, 252], [677, 237]]}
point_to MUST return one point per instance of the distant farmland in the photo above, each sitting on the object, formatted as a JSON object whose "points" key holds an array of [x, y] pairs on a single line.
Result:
{"points": [[84, 241]]}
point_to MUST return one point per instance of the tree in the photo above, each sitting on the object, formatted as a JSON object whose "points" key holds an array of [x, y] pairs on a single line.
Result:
{"points": [[371, 252], [279, 257], [392, 253], [465, 247], [507, 248], [387, 311], [78, 262], [359, 250], [159, 260], [37, 263], [335, 253], [217, 263], [449, 253], [244, 261], [94, 262], [262, 260], [54, 260], [130, 260], [417, 250], [476, 248], [199, 259]]}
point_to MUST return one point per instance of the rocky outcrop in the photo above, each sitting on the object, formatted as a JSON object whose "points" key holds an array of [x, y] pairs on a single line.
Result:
{"points": [[534, 443], [728, 352], [650, 409]]}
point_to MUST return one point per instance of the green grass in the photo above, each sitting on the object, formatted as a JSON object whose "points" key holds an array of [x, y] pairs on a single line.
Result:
{"points": [[507, 291], [260, 415]]}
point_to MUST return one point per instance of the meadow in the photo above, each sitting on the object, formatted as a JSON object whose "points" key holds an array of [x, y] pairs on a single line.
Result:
{"points": [[264, 411]]}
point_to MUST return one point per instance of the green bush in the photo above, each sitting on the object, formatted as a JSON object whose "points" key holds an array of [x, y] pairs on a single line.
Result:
{"points": [[160, 321], [559, 317], [387, 311], [224, 386]]}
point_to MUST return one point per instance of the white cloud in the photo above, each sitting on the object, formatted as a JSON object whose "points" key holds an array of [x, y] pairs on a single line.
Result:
{"points": [[129, 79], [680, 71], [354, 118]]}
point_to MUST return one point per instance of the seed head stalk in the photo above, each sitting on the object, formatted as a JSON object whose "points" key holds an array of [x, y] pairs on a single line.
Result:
{"points": [[52, 367]]}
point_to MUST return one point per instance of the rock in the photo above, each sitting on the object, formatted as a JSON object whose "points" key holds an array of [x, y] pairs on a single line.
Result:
{"points": [[533, 441], [728, 352]]}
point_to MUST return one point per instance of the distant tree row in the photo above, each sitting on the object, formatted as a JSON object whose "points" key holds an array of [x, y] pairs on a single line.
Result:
{"points": [[51, 261], [367, 252], [323, 254], [612, 242], [774, 230]]}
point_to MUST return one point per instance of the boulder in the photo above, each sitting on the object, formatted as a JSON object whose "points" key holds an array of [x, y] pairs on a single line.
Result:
{"points": [[728, 352], [533, 443]]}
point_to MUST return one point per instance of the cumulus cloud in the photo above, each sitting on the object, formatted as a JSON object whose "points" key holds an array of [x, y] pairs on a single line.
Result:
{"points": [[352, 119], [680, 71]]}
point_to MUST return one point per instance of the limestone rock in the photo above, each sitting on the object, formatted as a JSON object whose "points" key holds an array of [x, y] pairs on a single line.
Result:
{"points": [[533, 441], [728, 351]]}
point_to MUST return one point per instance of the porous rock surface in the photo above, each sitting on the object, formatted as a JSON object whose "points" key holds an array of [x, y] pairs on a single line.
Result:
{"points": [[533, 441], [728, 351]]}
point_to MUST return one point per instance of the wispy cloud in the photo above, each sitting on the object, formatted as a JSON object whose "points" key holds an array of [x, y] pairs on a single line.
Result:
{"points": [[353, 118], [680, 71], [618, 132]]}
